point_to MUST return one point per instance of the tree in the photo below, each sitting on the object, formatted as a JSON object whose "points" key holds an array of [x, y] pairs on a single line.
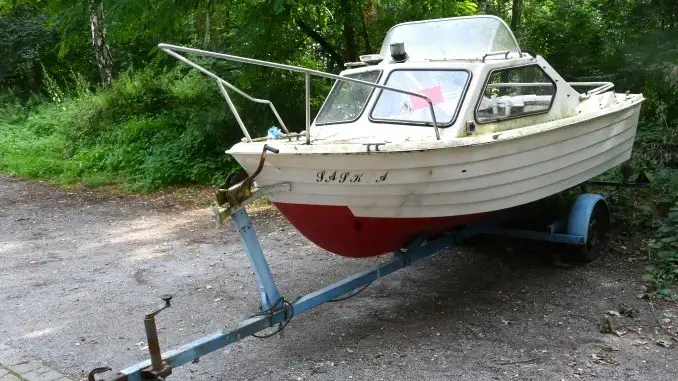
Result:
{"points": [[515, 15], [101, 52]]}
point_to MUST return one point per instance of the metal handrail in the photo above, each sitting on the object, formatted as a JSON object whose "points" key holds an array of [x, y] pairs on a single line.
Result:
{"points": [[602, 87], [234, 110], [504, 53], [519, 84], [221, 82], [173, 49], [257, 100]]}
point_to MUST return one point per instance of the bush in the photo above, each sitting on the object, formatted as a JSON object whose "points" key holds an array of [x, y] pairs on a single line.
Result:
{"points": [[663, 269], [149, 130], [656, 209], [11, 108]]}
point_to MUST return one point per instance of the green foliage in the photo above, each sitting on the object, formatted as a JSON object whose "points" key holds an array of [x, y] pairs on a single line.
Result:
{"points": [[663, 270], [657, 142], [139, 132], [51, 87], [24, 38], [12, 110]]}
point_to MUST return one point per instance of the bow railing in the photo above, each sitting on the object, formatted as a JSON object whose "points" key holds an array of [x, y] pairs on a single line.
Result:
{"points": [[173, 50]]}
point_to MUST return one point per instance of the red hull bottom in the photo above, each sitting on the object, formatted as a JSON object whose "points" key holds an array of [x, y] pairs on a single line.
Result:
{"points": [[337, 230]]}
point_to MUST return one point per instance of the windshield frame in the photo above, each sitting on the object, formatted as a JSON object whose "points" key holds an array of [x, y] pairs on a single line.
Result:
{"points": [[457, 110], [364, 106]]}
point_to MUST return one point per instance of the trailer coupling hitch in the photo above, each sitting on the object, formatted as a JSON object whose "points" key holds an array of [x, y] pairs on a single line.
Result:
{"points": [[158, 369], [229, 198], [95, 371]]}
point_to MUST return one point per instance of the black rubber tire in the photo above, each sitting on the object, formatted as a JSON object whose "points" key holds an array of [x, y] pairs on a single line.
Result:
{"points": [[597, 236]]}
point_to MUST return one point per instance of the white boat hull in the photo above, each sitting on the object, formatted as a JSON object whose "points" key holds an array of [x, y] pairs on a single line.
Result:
{"points": [[456, 180], [360, 204]]}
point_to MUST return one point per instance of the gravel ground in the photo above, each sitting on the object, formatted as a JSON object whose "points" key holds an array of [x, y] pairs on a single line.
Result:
{"points": [[78, 272]]}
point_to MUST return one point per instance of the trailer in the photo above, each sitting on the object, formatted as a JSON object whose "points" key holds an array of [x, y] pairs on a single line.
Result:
{"points": [[584, 228]]}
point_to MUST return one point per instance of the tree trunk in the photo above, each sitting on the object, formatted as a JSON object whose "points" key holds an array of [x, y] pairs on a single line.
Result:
{"points": [[348, 31], [206, 42], [327, 47], [349, 39], [515, 15], [366, 37], [103, 55]]}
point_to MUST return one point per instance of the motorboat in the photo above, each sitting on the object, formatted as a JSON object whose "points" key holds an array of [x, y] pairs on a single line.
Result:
{"points": [[449, 123]]}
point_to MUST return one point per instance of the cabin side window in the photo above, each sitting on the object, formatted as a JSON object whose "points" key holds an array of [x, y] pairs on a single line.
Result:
{"points": [[515, 92], [347, 100], [445, 89]]}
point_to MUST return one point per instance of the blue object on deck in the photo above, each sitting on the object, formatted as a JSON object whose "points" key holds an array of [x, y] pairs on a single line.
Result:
{"points": [[274, 133]]}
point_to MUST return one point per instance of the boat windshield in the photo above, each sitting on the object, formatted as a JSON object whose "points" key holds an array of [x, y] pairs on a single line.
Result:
{"points": [[347, 100], [445, 89], [466, 37]]}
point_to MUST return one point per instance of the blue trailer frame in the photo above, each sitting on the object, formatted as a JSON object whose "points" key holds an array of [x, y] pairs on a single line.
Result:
{"points": [[277, 311]]}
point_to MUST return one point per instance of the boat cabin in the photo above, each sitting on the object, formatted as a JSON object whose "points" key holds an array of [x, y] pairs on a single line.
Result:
{"points": [[470, 68], [433, 80]]}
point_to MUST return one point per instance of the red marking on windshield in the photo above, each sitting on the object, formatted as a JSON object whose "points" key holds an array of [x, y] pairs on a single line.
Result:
{"points": [[435, 94]]}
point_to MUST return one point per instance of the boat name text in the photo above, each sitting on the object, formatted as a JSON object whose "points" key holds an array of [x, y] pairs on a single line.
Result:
{"points": [[341, 177]]}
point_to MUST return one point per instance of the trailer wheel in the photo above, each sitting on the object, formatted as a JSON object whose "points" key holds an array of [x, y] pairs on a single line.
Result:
{"points": [[596, 235]]}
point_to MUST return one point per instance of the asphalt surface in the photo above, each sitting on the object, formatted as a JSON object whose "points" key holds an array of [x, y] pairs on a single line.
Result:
{"points": [[78, 272]]}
